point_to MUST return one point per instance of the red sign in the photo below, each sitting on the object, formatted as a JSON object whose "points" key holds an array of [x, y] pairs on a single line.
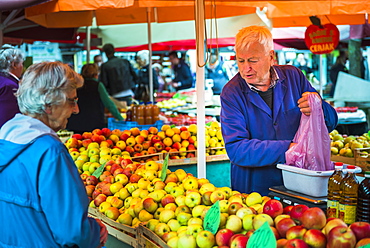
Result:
{"points": [[323, 39]]}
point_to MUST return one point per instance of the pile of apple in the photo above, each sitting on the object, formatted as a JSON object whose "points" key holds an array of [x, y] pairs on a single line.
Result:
{"points": [[299, 226], [104, 144], [345, 145]]}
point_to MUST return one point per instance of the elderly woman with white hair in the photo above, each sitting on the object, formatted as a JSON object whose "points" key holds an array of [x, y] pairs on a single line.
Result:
{"points": [[43, 200], [142, 59], [11, 68]]}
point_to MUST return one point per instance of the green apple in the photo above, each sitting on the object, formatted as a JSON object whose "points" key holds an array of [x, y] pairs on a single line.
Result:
{"points": [[205, 239], [125, 219], [197, 211], [166, 215], [193, 199], [194, 229], [151, 224], [161, 229], [193, 220], [174, 225], [234, 223], [260, 219], [187, 241], [183, 218]]}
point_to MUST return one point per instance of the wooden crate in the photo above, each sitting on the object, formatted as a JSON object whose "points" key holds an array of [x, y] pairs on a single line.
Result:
{"points": [[345, 160], [148, 239], [124, 233], [362, 157]]}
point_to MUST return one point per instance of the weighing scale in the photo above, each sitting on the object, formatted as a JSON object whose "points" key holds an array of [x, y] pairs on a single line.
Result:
{"points": [[292, 198]]}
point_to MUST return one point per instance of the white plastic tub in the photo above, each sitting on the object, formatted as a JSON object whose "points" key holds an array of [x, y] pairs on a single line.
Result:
{"points": [[313, 183]]}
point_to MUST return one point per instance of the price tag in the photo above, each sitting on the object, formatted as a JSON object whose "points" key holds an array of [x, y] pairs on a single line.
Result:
{"points": [[99, 170], [164, 168], [262, 237], [212, 218]]}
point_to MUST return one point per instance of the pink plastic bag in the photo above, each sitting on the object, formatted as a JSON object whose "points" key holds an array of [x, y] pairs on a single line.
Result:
{"points": [[312, 151]]}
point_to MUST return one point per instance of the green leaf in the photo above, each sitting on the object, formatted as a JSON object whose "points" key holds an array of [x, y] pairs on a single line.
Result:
{"points": [[213, 218], [164, 168], [262, 237], [99, 170]]}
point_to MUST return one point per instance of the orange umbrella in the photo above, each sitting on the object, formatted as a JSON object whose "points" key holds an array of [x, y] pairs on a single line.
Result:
{"points": [[62, 13], [297, 13]]}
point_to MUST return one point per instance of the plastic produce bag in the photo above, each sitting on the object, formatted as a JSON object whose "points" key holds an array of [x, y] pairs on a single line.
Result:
{"points": [[312, 151]]}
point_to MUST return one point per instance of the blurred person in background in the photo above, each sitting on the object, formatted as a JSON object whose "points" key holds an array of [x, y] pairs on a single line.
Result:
{"points": [[160, 78], [183, 78], [43, 197], [98, 60], [261, 109], [11, 69], [118, 76], [340, 65], [142, 59], [92, 98], [216, 71]]}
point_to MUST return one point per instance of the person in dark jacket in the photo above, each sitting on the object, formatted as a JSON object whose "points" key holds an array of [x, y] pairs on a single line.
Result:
{"points": [[43, 200], [183, 77], [11, 69], [142, 59], [92, 98], [340, 65], [217, 72], [118, 76], [261, 108]]}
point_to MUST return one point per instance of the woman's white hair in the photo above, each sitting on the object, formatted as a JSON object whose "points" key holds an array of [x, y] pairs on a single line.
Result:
{"points": [[143, 55], [46, 84], [8, 55], [248, 35]]}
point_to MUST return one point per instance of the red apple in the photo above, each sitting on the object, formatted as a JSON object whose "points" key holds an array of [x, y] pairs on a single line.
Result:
{"points": [[234, 236], [297, 212], [77, 136], [155, 138], [333, 223], [223, 236], [239, 241], [280, 243], [361, 229], [283, 225], [273, 208], [92, 180], [135, 178], [296, 243], [341, 237], [287, 209], [313, 218], [295, 232], [315, 238]]}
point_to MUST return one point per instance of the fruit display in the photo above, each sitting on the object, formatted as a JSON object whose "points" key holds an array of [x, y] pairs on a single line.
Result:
{"points": [[145, 145], [345, 145], [174, 209], [171, 103]]}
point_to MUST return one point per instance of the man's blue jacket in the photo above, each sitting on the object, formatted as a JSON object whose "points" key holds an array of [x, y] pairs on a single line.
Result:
{"points": [[256, 137]]}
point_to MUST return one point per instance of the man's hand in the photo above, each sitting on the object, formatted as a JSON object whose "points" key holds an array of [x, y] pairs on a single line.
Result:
{"points": [[303, 103]]}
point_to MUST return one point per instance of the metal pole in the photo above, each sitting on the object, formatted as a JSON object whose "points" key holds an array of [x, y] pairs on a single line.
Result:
{"points": [[88, 44], [151, 88], [201, 148]]}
